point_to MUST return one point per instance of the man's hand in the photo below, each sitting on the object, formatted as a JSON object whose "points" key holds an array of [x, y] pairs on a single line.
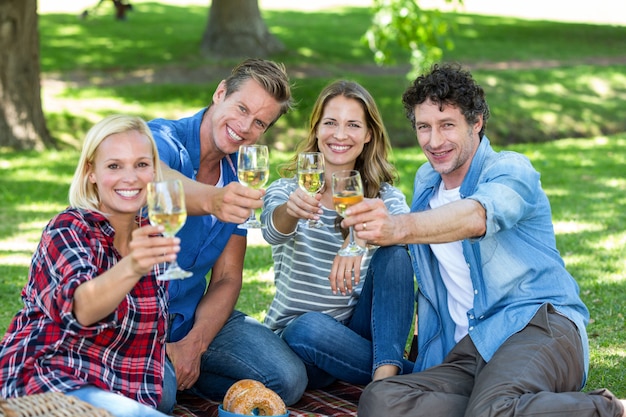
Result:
{"points": [[185, 356], [231, 204], [373, 223], [234, 202]]}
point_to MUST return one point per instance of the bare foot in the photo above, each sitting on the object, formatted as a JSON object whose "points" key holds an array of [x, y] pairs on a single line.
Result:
{"points": [[385, 371]]}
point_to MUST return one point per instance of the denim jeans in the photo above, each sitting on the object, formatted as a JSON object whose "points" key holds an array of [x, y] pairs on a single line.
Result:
{"points": [[170, 388], [245, 349], [375, 335], [116, 404]]}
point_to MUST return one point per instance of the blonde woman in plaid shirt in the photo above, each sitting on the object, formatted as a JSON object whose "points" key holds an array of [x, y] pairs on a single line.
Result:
{"points": [[94, 317]]}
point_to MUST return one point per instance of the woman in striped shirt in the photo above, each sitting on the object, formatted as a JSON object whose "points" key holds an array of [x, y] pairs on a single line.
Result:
{"points": [[347, 318]]}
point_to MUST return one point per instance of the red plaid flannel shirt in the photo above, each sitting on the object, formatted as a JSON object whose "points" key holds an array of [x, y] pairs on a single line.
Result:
{"points": [[46, 349]]}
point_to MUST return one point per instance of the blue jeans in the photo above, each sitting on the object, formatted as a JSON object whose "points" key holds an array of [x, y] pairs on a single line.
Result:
{"points": [[244, 349], [116, 404], [375, 335]]}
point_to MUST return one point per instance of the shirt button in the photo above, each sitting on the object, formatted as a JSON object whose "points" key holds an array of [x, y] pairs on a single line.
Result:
{"points": [[471, 317], [471, 328], [475, 292]]}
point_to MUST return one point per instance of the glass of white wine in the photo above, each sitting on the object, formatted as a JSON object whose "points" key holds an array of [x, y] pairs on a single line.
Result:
{"points": [[253, 170], [347, 191], [166, 207], [311, 177]]}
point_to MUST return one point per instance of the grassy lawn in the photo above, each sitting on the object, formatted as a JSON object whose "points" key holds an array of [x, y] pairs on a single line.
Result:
{"points": [[557, 93], [544, 80]]}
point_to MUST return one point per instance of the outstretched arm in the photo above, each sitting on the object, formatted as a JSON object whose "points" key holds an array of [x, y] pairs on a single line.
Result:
{"points": [[97, 298], [454, 221], [230, 204]]}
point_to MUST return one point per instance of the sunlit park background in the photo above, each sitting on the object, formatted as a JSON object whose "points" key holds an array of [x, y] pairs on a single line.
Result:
{"points": [[554, 72]]}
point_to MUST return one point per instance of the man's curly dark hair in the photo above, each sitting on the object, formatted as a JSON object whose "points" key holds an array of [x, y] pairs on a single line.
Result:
{"points": [[448, 84]]}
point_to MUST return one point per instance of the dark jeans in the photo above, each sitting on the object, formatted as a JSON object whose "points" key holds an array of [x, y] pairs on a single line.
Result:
{"points": [[536, 372], [376, 333]]}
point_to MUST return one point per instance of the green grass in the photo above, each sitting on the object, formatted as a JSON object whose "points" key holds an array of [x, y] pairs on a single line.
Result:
{"points": [[544, 80], [553, 86], [583, 178]]}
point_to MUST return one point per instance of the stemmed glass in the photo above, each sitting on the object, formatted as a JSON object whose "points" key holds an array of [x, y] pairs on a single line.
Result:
{"points": [[166, 207], [347, 191], [311, 177], [253, 168]]}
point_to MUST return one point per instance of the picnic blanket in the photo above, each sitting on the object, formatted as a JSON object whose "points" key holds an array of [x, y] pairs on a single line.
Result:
{"points": [[337, 400]]}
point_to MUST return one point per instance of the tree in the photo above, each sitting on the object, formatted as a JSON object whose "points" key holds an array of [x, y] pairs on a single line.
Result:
{"points": [[22, 123], [423, 33], [236, 29]]}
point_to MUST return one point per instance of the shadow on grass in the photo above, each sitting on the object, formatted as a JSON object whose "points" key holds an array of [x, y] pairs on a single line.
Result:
{"points": [[530, 103], [12, 280]]}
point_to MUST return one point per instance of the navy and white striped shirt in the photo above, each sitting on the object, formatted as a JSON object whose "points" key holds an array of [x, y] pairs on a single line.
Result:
{"points": [[303, 259]]}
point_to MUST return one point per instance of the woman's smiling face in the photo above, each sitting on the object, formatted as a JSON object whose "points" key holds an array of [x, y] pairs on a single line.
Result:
{"points": [[121, 169], [342, 132]]}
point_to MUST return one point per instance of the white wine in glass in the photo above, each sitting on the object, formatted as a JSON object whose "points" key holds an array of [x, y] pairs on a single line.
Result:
{"points": [[311, 177], [347, 191], [253, 170], [166, 207]]}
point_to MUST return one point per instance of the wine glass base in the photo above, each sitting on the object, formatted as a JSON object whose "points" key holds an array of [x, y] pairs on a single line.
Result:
{"points": [[315, 224], [251, 225], [352, 250], [176, 273]]}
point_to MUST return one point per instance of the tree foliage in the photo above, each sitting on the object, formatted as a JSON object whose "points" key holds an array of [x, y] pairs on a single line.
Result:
{"points": [[423, 33]]}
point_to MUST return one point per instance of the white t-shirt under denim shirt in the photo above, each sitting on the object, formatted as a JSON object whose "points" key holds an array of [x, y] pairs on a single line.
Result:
{"points": [[453, 268]]}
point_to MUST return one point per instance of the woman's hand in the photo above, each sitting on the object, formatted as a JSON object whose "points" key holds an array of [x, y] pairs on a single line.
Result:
{"points": [[148, 248], [303, 206], [345, 273]]}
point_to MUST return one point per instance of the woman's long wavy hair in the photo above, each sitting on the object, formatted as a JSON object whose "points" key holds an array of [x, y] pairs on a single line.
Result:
{"points": [[372, 163]]}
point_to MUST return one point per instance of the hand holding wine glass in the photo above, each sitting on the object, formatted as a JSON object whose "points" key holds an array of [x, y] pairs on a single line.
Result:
{"points": [[347, 191], [166, 207], [311, 177], [253, 166]]}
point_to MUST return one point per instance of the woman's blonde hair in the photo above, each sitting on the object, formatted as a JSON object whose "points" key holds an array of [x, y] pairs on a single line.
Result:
{"points": [[372, 163], [83, 194]]}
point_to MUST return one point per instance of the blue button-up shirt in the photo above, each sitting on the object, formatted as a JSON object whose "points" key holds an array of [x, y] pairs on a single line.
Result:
{"points": [[203, 238], [514, 268]]}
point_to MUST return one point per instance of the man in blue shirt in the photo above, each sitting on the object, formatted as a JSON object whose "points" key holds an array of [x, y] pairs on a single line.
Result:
{"points": [[501, 326], [210, 345]]}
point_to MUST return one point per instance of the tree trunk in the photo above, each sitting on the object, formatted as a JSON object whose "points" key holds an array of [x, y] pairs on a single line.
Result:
{"points": [[236, 30], [22, 123]]}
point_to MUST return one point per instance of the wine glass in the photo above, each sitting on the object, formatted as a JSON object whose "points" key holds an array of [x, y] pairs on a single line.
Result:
{"points": [[166, 207], [253, 168], [311, 177], [347, 191]]}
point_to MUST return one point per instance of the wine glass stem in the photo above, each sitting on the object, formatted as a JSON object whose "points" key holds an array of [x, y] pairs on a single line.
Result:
{"points": [[351, 236], [252, 216]]}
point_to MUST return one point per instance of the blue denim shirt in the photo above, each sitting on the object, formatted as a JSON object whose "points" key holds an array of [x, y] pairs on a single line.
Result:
{"points": [[515, 267], [203, 238]]}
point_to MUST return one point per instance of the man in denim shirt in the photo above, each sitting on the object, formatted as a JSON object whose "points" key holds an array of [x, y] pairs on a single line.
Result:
{"points": [[210, 344], [501, 326]]}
